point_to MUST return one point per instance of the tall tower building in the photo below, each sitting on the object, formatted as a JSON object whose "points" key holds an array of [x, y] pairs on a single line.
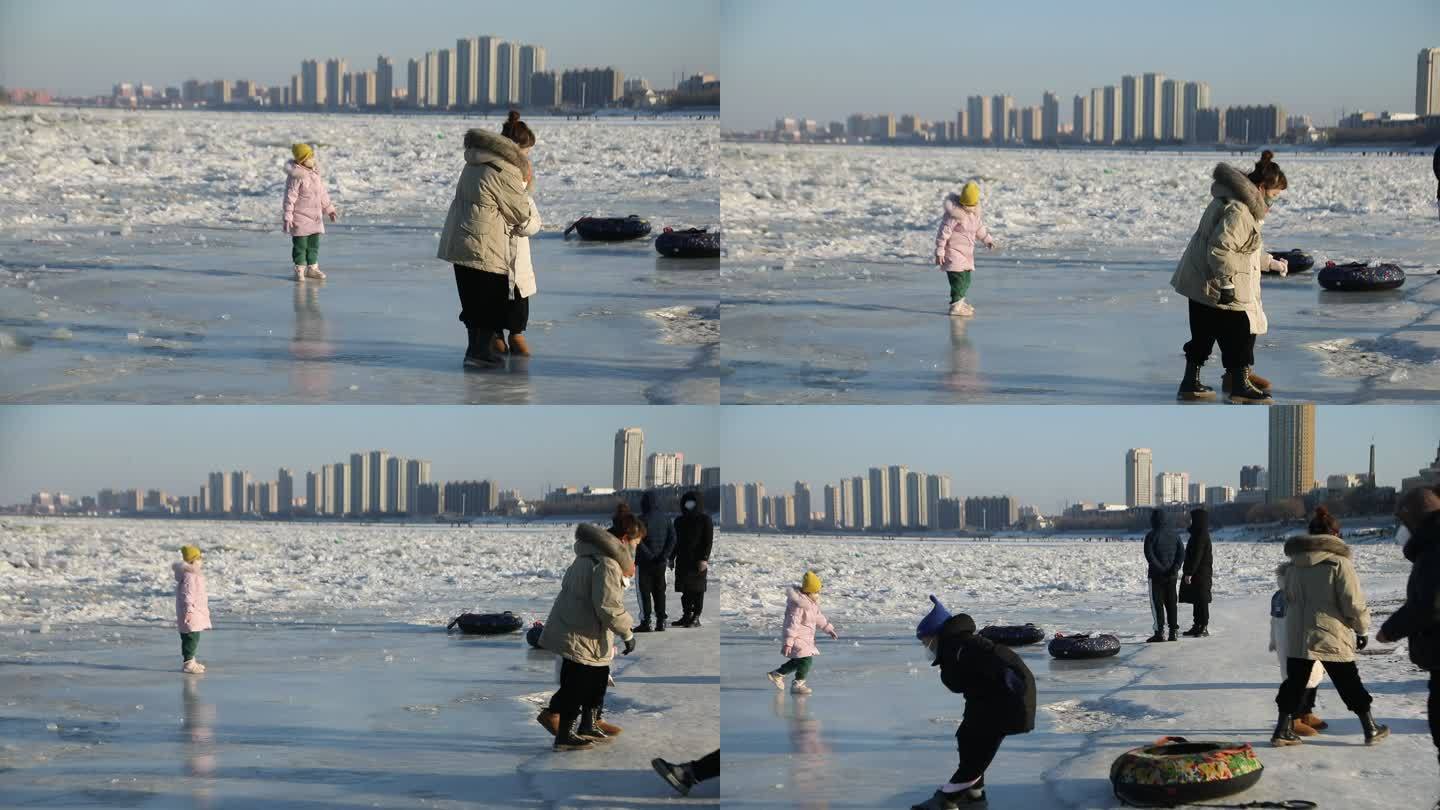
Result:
{"points": [[1151, 86], [1172, 110], [879, 499], [532, 61], [629, 468], [860, 490], [417, 474], [1081, 117], [1139, 472], [1371, 476], [334, 81], [360, 471], [312, 84], [466, 70], [1110, 115], [417, 82], [445, 86], [378, 500], [432, 78], [1197, 97], [1050, 117], [898, 479], [917, 505], [1292, 451], [487, 57], [977, 115], [285, 491], [219, 494], [1130, 106], [802, 505], [754, 505], [384, 82], [240, 493], [664, 469], [397, 488], [1000, 106], [343, 501], [846, 519], [834, 508], [313, 497], [507, 73], [937, 489], [326, 504], [1427, 82], [1097, 115]]}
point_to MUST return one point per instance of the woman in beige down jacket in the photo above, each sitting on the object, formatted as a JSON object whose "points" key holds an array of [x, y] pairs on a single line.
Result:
{"points": [[1326, 620], [490, 202], [1220, 274], [586, 616]]}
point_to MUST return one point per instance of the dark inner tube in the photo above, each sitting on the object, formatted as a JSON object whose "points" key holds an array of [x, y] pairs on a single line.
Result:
{"points": [[611, 229], [487, 624], [1014, 635]]}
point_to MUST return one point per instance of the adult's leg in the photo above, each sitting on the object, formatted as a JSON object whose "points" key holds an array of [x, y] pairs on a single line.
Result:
{"points": [[517, 315], [1432, 709], [697, 601], [1346, 677], [1232, 331], [569, 697], [469, 293], [1202, 613], [647, 596], [494, 290], [1297, 673], [658, 592], [706, 767], [1172, 604], [978, 747], [1202, 335], [1157, 605]]}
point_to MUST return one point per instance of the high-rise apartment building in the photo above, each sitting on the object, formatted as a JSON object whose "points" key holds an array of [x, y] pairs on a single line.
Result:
{"points": [[1292, 451], [917, 506], [897, 478], [507, 73], [1081, 117], [432, 78], [994, 513], [1427, 82], [397, 488], [1131, 106], [1151, 106], [467, 74], [328, 489], [219, 494], [446, 91], [1197, 97], [979, 118], [937, 489], [417, 474], [1050, 117], [834, 507], [312, 85], [755, 508], [801, 506], [360, 473], [1252, 476], [1097, 115], [860, 505], [334, 79], [879, 499], [417, 82], [664, 469], [240, 493], [1171, 488], [1138, 477], [532, 61], [384, 82], [629, 463], [487, 57], [285, 491], [1000, 107], [732, 505], [313, 496], [1172, 104], [1215, 496]]}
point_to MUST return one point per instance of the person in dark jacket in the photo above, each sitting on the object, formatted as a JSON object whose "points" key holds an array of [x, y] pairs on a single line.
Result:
{"points": [[999, 695], [694, 535], [1419, 618], [1436, 167], [1164, 556], [651, 557], [1197, 572]]}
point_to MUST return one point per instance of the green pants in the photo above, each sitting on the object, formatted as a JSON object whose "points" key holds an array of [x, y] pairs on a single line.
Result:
{"points": [[188, 643], [799, 666], [305, 249], [959, 284]]}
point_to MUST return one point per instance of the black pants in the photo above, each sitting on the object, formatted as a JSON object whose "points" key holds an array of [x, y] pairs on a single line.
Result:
{"points": [[1307, 701], [581, 687], [692, 602], [1230, 328], [1202, 614], [978, 747], [1163, 604], [706, 767], [485, 302], [651, 584], [1344, 674], [1432, 708]]}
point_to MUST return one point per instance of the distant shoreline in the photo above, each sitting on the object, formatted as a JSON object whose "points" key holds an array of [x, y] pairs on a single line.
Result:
{"points": [[1384, 148]]}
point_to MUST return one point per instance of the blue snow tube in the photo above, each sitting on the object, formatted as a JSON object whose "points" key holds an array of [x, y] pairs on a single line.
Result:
{"points": [[1014, 635], [486, 624], [692, 243], [532, 636], [1298, 260], [1083, 645], [1359, 277], [610, 229]]}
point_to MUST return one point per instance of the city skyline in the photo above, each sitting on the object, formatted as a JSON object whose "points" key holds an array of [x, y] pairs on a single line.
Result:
{"points": [[81, 48], [771, 445], [81, 449], [800, 74]]}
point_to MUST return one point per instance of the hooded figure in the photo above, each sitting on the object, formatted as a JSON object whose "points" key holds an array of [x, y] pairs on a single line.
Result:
{"points": [[651, 557], [1326, 620], [694, 537], [999, 695], [1419, 618], [1197, 571], [1164, 555]]}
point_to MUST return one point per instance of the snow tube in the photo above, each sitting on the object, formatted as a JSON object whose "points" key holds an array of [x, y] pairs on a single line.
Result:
{"points": [[692, 243], [610, 229], [1299, 260], [487, 624], [1175, 771], [1014, 635], [1356, 276], [1083, 645], [532, 636]]}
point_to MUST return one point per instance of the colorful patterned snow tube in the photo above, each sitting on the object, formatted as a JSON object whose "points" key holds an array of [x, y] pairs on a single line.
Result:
{"points": [[691, 243], [1175, 771], [532, 636], [1083, 645], [1014, 635], [1358, 277], [486, 624]]}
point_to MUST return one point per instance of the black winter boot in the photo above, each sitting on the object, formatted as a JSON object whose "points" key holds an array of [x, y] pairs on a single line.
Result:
{"points": [[1157, 637], [478, 351], [590, 726], [1244, 391], [644, 627], [1284, 732], [1172, 634], [1192, 632], [1374, 732], [678, 776], [1190, 386], [567, 739], [683, 622]]}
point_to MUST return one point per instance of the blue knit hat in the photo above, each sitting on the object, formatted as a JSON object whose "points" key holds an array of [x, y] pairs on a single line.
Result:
{"points": [[933, 621]]}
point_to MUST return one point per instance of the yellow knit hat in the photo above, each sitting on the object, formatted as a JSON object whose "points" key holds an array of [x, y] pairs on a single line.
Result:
{"points": [[301, 151], [190, 553], [810, 583], [970, 194]]}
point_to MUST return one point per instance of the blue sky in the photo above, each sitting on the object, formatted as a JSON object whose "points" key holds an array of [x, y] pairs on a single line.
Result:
{"points": [[1050, 455], [85, 46], [82, 448], [823, 60]]}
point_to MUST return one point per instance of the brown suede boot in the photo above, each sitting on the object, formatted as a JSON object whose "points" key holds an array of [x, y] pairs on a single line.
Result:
{"points": [[498, 344], [1310, 719], [1301, 728], [1258, 381], [518, 345]]}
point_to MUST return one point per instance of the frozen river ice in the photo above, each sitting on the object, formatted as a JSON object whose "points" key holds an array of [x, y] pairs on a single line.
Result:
{"points": [[830, 294], [141, 260], [879, 729]]}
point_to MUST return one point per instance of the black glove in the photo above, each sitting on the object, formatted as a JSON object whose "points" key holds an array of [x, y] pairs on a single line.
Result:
{"points": [[629, 646], [1227, 295], [1361, 641]]}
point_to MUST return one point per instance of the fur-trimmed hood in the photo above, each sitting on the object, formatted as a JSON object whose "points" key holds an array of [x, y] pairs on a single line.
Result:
{"points": [[953, 206], [593, 541], [1232, 184], [183, 568], [1313, 549], [797, 597], [483, 146]]}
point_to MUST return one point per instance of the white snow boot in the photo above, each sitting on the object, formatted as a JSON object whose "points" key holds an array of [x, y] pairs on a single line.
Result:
{"points": [[299, 272], [799, 688], [777, 679], [192, 667], [958, 308], [965, 308], [313, 271]]}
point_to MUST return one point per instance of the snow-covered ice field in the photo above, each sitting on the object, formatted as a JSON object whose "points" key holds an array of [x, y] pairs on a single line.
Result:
{"points": [[830, 294], [879, 729], [141, 260], [331, 681]]}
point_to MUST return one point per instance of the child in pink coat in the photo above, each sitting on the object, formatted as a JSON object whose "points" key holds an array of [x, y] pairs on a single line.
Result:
{"points": [[307, 203], [802, 619], [192, 607], [960, 229]]}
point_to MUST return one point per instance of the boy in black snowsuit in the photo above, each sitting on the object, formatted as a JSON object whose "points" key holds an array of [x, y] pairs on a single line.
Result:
{"points": [[999, 695]]}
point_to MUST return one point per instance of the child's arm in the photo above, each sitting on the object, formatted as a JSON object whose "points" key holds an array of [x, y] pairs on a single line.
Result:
{"points": [[947, 227], [292, 193], [789, 630], [325, 204], [825, 625], [982, 234]]}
